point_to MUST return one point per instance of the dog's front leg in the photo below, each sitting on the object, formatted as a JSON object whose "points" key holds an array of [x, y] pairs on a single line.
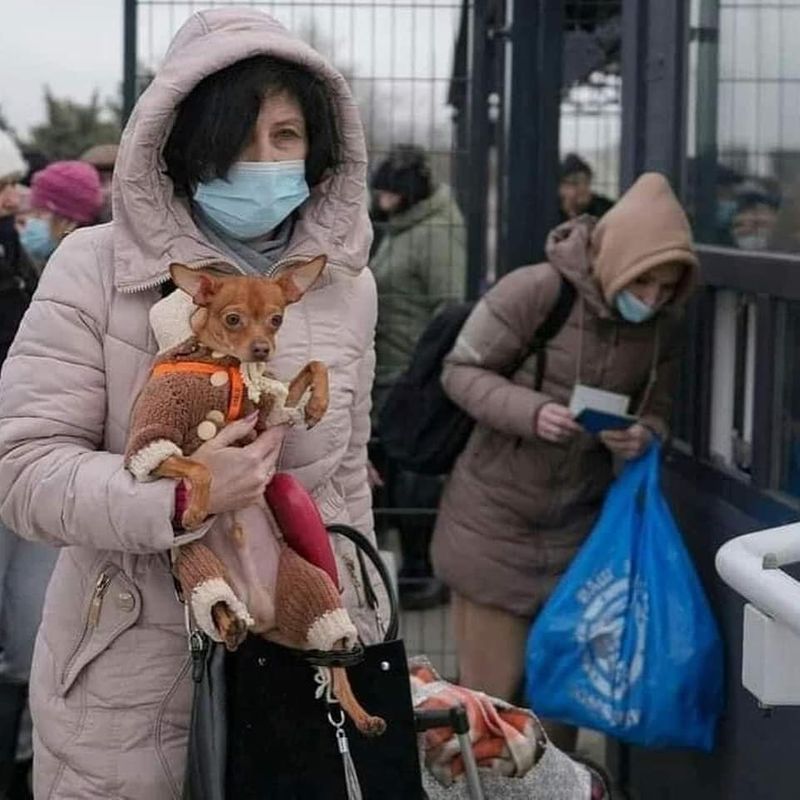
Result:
{"points": [[200, 479], [314, 376]]}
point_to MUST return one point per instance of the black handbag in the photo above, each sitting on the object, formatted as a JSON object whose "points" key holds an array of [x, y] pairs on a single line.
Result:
{"points": [[259, 721]]}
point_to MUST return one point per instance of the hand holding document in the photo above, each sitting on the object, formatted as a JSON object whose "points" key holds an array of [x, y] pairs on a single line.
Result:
{"points": [[597, 410]]}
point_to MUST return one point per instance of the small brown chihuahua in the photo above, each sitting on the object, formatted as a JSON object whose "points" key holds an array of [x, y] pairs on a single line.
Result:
{"points": [[213, 378], [235, 323]]}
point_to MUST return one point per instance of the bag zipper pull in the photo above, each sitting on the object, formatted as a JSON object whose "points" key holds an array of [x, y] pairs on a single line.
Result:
{"points": [[97, 598], [197, 648]]}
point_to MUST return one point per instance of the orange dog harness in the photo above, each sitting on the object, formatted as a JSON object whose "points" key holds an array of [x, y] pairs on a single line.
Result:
{"points": [[236, 397]]}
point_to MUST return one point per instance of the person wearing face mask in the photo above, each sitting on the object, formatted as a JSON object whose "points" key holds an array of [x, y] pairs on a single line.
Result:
{"points": [[245, 151], [528, 487], [755, 220], [64, 196]]}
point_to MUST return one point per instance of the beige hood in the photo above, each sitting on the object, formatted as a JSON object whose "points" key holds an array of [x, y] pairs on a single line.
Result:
{"points": [[647, 227], [153, 228]]}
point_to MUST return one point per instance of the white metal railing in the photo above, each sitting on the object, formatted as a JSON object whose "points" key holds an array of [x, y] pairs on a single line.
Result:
{"points": [[751, 565]]}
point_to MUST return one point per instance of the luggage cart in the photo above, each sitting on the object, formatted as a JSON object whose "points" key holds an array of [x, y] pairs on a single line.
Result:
{"points": [[455, 718]]}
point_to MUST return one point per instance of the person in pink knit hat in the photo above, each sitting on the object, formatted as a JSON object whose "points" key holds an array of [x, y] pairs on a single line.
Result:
{"points": [[64, 196]]}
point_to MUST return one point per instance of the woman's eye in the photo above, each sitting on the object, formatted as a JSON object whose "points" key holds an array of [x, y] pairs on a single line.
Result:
{"points": [[287, 133], [232, 320], [276, 321]]}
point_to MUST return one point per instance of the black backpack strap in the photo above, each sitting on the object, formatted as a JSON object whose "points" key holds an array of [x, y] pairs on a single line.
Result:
{"points": [[551, 326]]}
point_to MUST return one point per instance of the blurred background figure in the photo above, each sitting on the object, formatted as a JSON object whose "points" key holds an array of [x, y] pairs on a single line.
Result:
{"points": [[103, 157], [23, 209], [64, 196], [755, 219], [575, 190], [419, 267], [728, 183], [37, 161], [25, 567], [17, 277]]}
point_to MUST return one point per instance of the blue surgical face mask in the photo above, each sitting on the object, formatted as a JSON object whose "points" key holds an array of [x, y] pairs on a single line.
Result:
{"points": [[37, 239], [632, 308], [254, 198]]}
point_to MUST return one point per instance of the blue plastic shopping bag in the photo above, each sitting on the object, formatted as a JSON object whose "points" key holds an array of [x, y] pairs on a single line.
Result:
{"points": [[627, 643]]}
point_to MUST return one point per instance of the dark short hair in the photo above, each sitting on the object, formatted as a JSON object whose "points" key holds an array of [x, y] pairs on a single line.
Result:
{"points": [[405, 171], [753, 199], [573, 164], [216, 119]]}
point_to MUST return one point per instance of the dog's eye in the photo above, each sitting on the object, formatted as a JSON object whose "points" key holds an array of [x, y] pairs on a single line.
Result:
{"points": [[232, 320], [276, 321]]}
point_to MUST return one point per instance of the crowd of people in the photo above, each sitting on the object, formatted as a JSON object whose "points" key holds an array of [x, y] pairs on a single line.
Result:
{"points": [[247, 149], [41, 203]]}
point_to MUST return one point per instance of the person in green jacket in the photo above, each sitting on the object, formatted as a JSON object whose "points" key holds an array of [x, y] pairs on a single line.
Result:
{"points": [[420, 267]]}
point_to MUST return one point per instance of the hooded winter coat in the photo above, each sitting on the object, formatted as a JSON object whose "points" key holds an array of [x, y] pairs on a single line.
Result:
{"points": [[516, 508], [420, 265], [110, 687]]}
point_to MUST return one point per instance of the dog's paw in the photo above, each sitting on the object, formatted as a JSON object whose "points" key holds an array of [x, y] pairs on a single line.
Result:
{"points": [[232, 628], [314, 412], [193, 518], [374, 726]]}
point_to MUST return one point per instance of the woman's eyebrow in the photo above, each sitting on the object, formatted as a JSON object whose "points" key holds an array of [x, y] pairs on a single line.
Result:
{"points": [[289, 121]]}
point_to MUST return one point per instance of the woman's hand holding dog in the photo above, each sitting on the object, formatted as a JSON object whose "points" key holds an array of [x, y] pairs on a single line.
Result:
{"points": [[239, 475]]}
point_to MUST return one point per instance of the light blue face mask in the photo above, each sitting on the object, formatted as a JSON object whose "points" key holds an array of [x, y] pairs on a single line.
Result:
{"points": [[37, 239], [632, 308], [254, 198]]}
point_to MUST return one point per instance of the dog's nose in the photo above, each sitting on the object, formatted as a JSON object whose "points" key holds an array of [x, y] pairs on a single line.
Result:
{"points": [[260, 351]]}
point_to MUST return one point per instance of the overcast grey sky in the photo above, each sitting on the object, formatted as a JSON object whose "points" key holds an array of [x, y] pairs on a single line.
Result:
{"points": [[75, 46]]}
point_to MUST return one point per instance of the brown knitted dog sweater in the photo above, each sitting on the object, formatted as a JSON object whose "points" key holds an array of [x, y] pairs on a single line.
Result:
{"points": [[177, 411]]}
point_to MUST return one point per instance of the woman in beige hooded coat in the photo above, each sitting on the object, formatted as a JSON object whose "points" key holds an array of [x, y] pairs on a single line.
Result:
{"points": [[110, 688], [527, 489]]}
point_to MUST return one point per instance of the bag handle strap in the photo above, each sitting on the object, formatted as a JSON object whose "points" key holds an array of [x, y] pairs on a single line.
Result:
{"points": [[550, 328], [365, 547], [652, 466]]}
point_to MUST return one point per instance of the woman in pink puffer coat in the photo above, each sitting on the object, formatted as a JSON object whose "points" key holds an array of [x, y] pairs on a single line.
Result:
{"points": [[110, 687]]}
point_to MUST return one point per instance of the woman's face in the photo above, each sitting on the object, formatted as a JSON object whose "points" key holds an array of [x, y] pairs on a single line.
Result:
{"points": [[388, 202], [280, 131], [658, 285]]}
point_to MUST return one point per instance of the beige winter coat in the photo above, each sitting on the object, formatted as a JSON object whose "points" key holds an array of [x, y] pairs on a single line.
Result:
{"points": [[517, 508], [110, 689]]}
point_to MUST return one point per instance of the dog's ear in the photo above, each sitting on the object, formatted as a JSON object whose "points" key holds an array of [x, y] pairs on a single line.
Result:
{"points": [[198, 284], [295, 281]]}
